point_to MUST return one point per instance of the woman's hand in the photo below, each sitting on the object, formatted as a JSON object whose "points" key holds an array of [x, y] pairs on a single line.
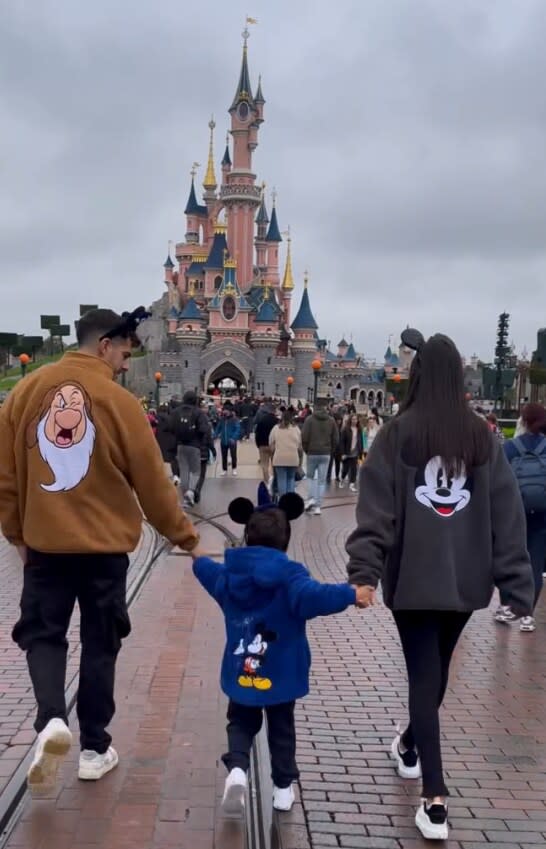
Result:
{"points": [[365, 596]]}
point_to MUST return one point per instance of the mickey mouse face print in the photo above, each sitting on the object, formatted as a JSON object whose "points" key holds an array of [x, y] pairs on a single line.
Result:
{"points": [[441, 491]]}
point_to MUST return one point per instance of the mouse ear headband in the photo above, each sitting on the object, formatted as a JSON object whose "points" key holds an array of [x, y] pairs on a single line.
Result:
{"points": [[127, 327], [413, 339], [241, 509]]}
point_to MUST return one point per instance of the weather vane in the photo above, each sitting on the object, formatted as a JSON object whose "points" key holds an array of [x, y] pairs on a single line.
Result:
{"points": [[194, 168]]}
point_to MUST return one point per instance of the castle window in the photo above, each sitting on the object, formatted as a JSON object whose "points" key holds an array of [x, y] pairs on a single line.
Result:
{"points": [[277, 389], [218, 281], [185, 364], [229, 308], [269, 361]]}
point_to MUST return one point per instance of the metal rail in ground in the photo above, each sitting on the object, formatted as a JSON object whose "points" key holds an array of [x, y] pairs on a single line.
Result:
{"points": [[12, 798]]}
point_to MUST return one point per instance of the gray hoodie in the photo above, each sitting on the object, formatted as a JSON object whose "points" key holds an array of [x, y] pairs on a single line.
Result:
{"points": [[320, 434], [439, 543]]}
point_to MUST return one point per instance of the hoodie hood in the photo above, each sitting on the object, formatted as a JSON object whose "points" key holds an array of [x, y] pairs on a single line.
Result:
{"points": [[321, 415], [253, 574]]}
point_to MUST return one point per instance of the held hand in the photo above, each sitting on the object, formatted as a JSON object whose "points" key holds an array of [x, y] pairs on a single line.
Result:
{"points": [[197, 552], [365, 596]]}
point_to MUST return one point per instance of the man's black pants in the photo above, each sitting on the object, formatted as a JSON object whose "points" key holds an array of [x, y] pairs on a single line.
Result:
{"points": [[245, 722], [52, 585]]}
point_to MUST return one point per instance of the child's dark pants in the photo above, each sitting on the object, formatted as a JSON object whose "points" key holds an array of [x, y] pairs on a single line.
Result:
{"points": [[243, 725]]}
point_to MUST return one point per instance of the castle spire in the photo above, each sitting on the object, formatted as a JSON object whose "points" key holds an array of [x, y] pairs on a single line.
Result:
{"points": [[226, 161], [288, 279], [244, 88], [209, 182], [305, 319], [274, 234], [259, 95]]}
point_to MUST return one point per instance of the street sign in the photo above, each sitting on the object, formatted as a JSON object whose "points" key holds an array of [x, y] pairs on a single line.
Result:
{"points": [[87, 308], [49, 321], [8, 340], [58, 330], [32, 342]]}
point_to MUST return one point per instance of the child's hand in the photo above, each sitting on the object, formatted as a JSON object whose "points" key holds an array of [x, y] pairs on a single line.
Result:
{"points": [[365, 596], [197, 552]]}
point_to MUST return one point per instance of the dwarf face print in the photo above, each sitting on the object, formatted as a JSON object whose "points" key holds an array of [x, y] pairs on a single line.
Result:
{"points": [[441, 491], [65, 435]]}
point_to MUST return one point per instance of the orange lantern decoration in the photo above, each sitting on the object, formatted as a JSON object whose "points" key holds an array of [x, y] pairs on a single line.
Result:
{"points": [[158, 377], [290, 383], [24, 359], [397, 378], [290, 380], [316, 364]]}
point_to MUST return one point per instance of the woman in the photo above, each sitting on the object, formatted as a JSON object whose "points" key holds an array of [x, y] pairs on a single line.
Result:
{"points": [[351, 447], [527, 456], [440, 522], [285, 444], [335, 459], [373, 426]]}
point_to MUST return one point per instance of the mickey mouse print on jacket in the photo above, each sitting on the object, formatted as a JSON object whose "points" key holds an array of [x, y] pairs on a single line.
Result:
{"points": [[253, 655], [442, 490]]}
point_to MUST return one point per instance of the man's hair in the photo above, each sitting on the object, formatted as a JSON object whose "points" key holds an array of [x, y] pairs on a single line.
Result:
{"points": [[95, 324], [269, 528]]}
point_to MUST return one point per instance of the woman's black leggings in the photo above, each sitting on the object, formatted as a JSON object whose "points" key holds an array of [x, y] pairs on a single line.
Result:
{"points": [[428, 640]]}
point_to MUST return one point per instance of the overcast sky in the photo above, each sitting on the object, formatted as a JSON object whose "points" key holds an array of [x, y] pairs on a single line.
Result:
{"points": [[406, 140]]}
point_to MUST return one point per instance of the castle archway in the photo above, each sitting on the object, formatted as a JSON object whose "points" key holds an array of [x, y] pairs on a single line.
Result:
{"points": [[226, 375]]}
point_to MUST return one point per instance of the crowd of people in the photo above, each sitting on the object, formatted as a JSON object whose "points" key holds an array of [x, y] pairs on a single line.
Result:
{"points": [[445, 514]]}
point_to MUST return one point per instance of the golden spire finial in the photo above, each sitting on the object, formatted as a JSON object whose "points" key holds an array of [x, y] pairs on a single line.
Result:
{"points": [[210, 177], [288, 279]]}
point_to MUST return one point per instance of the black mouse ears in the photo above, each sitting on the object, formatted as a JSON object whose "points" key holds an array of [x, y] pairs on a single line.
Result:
{"points": [[241, 509], [413, 339], [128, 325]]}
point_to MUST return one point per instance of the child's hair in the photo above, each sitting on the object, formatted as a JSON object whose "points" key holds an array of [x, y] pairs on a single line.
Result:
{"points": [[269, 528]]}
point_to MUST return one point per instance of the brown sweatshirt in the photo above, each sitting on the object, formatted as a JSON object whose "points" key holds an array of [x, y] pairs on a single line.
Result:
{"points": [[75, 447]]}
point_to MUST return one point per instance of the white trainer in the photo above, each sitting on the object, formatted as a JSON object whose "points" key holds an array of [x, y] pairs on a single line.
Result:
{"points": [[432, 821], [309, 503], [93, 766], [234, 473], [283, 798], [317, 511], [233, 801], [223, 474], [527, 623], [352, 487], [54, 744], [407, 763]]}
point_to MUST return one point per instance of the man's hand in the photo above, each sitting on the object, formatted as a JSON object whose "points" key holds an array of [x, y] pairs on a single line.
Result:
{"points": [[197, 552], [365, 596]]}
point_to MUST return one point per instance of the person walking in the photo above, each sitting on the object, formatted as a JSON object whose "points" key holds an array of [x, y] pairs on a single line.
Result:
{"points": [[76, 447], [265, 422], [527, 457], [191, 427], [208, 451], [167, 444], [335, 465], [228, 431], [375, 422], [351, 448], [285, 443], [320, 438], [440, 522]]}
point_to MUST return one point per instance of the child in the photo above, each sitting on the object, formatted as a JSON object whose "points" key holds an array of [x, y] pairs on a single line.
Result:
{"points": [[267, 599]]}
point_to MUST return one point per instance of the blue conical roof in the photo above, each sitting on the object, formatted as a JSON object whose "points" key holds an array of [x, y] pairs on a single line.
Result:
{"points": [[244, 88], [274, 234], [227, 158], [217, 252], [267, 314], [351, 353], [168, 262], [262, 216], [191, 311], [192, 207], [304, 319]]}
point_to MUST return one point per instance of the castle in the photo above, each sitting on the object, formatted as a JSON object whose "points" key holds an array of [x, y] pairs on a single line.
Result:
{"points": [[227, 311]]}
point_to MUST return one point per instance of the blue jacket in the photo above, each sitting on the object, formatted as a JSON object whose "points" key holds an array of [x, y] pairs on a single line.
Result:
{"points": [[228, 430], [267, 599]]}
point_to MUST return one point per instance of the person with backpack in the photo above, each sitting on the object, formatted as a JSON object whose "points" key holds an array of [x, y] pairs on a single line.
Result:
{"points": [[228, 431], [527, 457], [191, 427]]}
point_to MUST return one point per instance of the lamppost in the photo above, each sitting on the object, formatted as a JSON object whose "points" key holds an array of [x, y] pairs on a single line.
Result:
{"points": [[316, 365], [158, 378], [397, 378], [24, 359], [290, 383]]}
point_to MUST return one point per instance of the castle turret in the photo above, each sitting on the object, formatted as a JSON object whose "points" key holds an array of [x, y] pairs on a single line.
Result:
{"points": [[273, 239], [191, 337], [265, 341], [196, 214], [226, 161], [304, 345], [287, 286], [262, 220]]}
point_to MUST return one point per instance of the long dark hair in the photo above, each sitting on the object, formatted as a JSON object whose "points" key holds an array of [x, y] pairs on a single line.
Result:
{"points": [[441, 422]]}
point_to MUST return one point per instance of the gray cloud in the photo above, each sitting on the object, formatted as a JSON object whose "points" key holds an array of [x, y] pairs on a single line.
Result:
{"points": [[406, 141]]}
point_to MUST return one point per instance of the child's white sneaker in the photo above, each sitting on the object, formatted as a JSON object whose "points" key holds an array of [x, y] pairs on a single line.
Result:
{"points": [[53, 746], [233, 801], [283, 798], [93, 765]]}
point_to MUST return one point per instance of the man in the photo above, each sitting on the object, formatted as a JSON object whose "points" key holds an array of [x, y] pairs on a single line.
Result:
{"points": [[191, 427], [75, 448], [265, 422], [320, 439]]}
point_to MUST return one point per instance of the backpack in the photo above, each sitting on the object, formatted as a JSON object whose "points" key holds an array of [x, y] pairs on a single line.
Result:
{"points": [[186, 426], [530, 470]]}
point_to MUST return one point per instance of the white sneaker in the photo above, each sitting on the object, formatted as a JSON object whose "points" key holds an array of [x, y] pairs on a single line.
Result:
{"points": [[223, 474], [54, 744], [93, 766], [234, 473], [233, 801], [176, 480], [309, 503], [283, 798], [432, 821], [407, 763], [189, 498], [317, 511], [527, 623], [341, 484], [505, 615], [353, 487]]}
